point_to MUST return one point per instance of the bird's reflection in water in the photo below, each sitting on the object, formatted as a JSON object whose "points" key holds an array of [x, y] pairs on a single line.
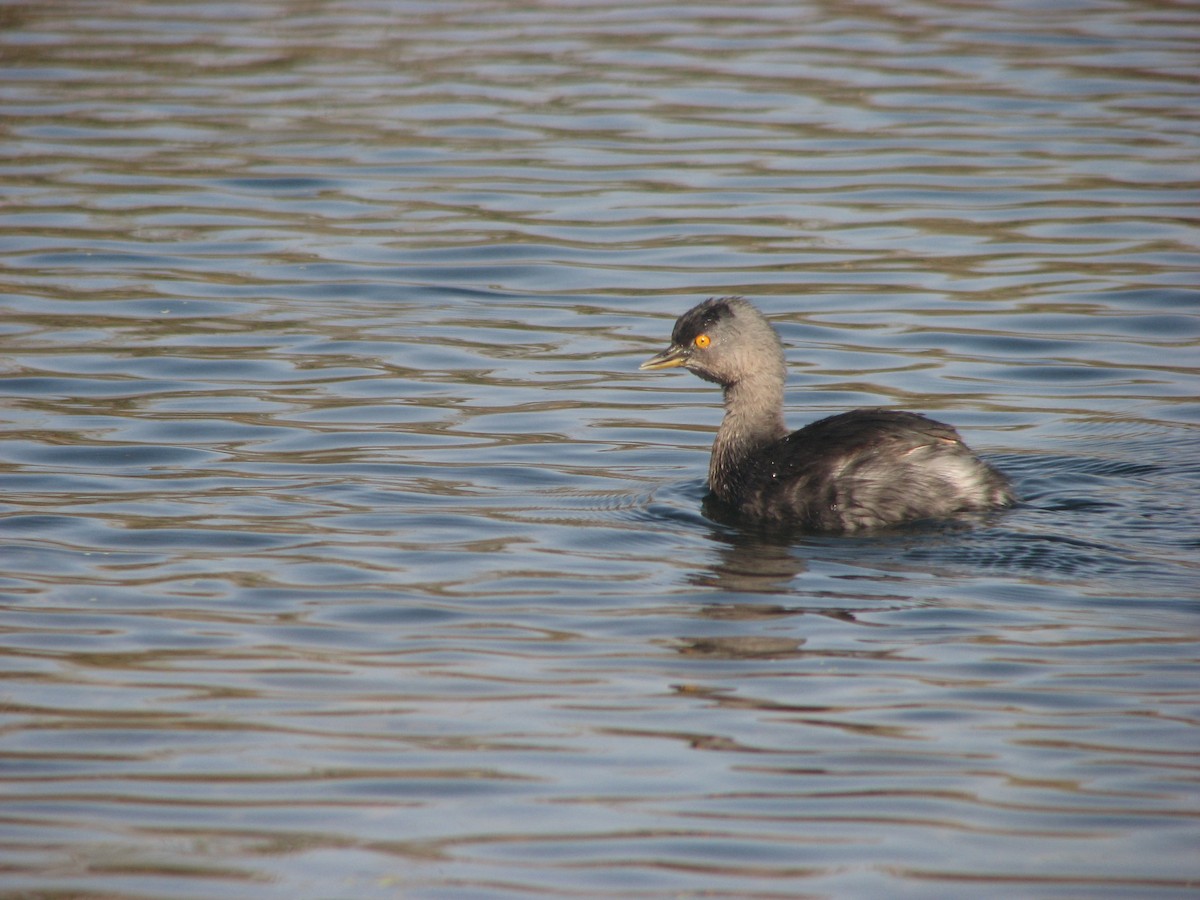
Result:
{"points": [[750, 560], [741, 646], [757, 563]]}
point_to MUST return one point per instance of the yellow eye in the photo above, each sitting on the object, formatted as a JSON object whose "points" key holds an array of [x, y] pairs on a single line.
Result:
{"points": [[702, 341]]}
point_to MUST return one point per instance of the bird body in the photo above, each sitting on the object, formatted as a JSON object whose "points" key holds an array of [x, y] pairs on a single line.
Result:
{"points": [[860, 469]]}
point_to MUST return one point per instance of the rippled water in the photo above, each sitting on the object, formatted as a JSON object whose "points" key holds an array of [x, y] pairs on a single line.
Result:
{"points": [[345, 552]]}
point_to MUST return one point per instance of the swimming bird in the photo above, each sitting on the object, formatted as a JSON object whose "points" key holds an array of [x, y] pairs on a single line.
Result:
{"points": [[861, 469]]}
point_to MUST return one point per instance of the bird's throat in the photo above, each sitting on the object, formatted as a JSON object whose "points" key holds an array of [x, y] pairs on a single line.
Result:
{"points": [[753, 420]]}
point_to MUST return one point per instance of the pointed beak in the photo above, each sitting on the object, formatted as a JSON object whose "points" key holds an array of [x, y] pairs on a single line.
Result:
{"points": [[670, 358]]}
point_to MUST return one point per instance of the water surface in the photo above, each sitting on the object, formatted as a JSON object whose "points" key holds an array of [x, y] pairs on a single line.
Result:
{"points": [[344, 552]]}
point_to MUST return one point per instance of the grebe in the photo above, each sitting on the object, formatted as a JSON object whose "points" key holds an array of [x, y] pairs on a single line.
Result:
{"points": [[861, 469]]}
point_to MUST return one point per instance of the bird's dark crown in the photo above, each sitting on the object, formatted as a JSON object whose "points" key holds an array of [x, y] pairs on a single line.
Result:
{"points": [[702, 318]]}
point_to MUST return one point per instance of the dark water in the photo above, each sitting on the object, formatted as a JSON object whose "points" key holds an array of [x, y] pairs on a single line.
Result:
{"points": [[344, 551]]}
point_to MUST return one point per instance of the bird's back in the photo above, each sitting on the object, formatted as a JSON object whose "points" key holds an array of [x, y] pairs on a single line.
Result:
{"points": [[865, 468]]}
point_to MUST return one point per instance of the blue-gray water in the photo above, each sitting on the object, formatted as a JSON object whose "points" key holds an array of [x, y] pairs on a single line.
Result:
{"points": [[344, 552]]}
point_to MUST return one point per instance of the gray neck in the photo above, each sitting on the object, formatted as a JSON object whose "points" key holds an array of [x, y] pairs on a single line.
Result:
{"points": [[753, 419]]}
